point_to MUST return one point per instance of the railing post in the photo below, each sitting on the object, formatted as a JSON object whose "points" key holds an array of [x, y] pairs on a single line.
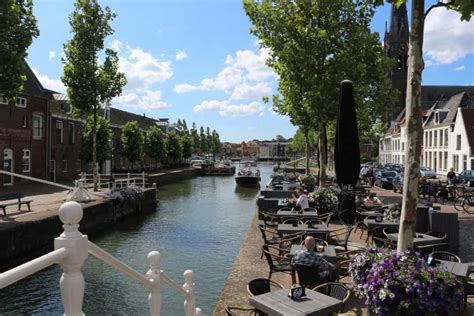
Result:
{"points": [[154, 274], [190, 302], [72, 281]]}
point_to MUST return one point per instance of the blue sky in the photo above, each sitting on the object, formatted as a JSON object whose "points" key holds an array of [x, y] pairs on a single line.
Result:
{"points": [[197, 60]]}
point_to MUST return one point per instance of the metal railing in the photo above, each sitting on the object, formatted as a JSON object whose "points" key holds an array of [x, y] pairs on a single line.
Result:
{"points": [[71, 251], [118, 179]]}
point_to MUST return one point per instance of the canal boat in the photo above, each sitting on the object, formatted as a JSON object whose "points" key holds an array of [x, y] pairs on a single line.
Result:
{"points": [[247, 176]]}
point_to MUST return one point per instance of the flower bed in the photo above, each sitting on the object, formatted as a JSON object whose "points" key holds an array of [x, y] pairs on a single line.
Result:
{"points": [[325, 200], [403, 284]]}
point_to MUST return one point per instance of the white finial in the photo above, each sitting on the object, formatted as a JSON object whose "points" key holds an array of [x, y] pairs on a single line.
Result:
{"points": [[70, 213], [188, 276], [154, 258]]}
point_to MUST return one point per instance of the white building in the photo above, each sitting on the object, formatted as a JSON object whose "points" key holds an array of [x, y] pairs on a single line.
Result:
{"points": [[448, 136]]}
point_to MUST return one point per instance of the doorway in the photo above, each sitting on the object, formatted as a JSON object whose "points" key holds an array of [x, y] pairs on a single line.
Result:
{"points": [[8, 166], [52, 170]]}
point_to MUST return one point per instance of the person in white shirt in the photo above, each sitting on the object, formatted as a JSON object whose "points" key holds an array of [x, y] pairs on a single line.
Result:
{"points": [[372, 201], [301, 200]]}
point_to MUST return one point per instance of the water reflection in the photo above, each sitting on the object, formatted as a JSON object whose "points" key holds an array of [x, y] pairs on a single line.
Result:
{"points": [[246, 193]]}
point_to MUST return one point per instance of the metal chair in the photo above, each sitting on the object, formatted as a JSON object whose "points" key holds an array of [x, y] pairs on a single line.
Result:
{"points": [[276, 263], [261, 286], [337, 290], [439, 235], [340, 237], [308, 276], [313, 221], [381, 242], [326, 218], [291, 221], [235, 310], [389, 230], [445, 255], [270, 220]]}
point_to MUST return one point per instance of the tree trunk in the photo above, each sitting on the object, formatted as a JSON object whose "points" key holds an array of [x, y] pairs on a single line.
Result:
{"points": [[94, 149], [414, 128], [323, 158], [307, 149]]}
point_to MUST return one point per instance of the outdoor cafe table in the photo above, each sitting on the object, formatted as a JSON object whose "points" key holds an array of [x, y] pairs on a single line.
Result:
{"points": [[301, 228], [419, 240], [456, 268], [278, 303], [285, 203], [371, 223], [305, 214], [329, 251]]}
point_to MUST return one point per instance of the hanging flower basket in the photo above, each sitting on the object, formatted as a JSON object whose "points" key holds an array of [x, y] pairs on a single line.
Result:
{"points": [[403, 284]]}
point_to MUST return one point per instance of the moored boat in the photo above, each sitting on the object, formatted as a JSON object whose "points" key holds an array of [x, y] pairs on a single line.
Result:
{"points": [[248, 177]]}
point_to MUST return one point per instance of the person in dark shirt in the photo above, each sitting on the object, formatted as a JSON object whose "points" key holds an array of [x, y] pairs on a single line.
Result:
{"points": [[451, 175]]}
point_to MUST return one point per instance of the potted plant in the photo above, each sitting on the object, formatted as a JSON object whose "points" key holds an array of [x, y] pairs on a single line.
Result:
{"points": [[404, 284], [324, 200]]}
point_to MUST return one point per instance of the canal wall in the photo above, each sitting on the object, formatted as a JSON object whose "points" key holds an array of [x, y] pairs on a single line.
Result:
{"points": [[26, 240], [172, 176]]}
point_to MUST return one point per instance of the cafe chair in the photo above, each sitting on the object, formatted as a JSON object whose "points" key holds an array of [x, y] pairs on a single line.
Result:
{"points": [[314, 221], [270, 220], [389, 230], [291, 221], [262, 286], [276, 263], [336, 290], [235, 310], [439, 235], [308, 276], [445, 255], [381, 242], [340, 237], [343, 268], [326, 218]]}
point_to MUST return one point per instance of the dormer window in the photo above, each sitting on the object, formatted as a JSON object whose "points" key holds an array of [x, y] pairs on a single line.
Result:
{"points": [[440, 116]]}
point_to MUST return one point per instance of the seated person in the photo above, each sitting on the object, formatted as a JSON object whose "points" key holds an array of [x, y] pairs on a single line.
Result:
{"points": [[326, 270], [301, 199], [372, 201]]}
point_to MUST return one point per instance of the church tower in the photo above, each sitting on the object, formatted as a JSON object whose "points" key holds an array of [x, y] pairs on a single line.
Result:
{"points": [[396, 47]]}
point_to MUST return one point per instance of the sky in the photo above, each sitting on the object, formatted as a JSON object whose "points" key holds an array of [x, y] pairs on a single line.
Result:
{"points": [[196, 60]]}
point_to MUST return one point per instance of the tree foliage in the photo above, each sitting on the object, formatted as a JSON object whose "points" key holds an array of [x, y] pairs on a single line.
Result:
{"points": [[155, 144], [132, 142], [195, 137], [17, 30], [298, 142], [175, 147], [104, 136], [187, 145], [203, 141]]}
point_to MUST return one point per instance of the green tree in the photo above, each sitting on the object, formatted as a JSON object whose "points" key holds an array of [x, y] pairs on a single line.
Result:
{"points": [[155, 144], [132, 143], [195, 137], [314, 45], [298, 142], [203, 141], [413, 112], [187, 145], [209, 141], [104, 136], [175, 147], [216, 142], [18, 28], [89, 84]]}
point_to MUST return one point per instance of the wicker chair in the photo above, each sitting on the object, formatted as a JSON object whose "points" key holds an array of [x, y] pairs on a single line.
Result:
{"points": [[276, 263], [235, 310], [291, 220], [326, 218], [445, 255], [337, 290], [261, 286], [313, 221], [381, 242], [270, 220], [340, 237]]}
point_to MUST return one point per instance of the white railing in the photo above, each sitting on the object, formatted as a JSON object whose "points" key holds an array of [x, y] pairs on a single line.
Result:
{"points": [[71, 251], [119, 179]]}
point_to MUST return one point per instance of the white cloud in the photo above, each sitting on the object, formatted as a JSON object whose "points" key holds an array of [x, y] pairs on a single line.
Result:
{"points": [[460, 68], [245, 91], [246, 66], [142, 69], [180, 55], [151, 100], [117, 46], [51, 55], [226, 108], [52, 84], [446, 37]]}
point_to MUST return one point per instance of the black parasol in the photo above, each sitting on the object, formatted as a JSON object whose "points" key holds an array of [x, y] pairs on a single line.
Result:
{"points": [[346, 151]]}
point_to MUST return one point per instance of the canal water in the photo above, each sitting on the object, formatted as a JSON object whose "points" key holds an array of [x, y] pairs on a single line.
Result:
{"points": [[199, 225]]}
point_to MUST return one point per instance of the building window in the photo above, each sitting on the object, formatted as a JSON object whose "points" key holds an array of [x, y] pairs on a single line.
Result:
{"points": [[24, 121], [456, 163], [403, 146], [20, 102], [446, 133], [464, 162], [458, 142], [78, 165], [59, 132], [441, 138], [3, 100], [435, 141], [445, 160], [431, 138], [37, 126], [64, 165], [440, 160], [71, 135], [26, 162]]}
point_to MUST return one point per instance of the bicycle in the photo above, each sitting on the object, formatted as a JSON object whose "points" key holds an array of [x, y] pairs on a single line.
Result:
{"points": [[465, 203]]}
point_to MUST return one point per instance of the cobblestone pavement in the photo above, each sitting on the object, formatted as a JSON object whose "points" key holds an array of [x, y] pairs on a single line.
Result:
{"points": [[248, 264]]}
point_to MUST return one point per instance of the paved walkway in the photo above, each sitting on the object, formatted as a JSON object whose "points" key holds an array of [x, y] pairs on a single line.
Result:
{"points": [[248, 264]]}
